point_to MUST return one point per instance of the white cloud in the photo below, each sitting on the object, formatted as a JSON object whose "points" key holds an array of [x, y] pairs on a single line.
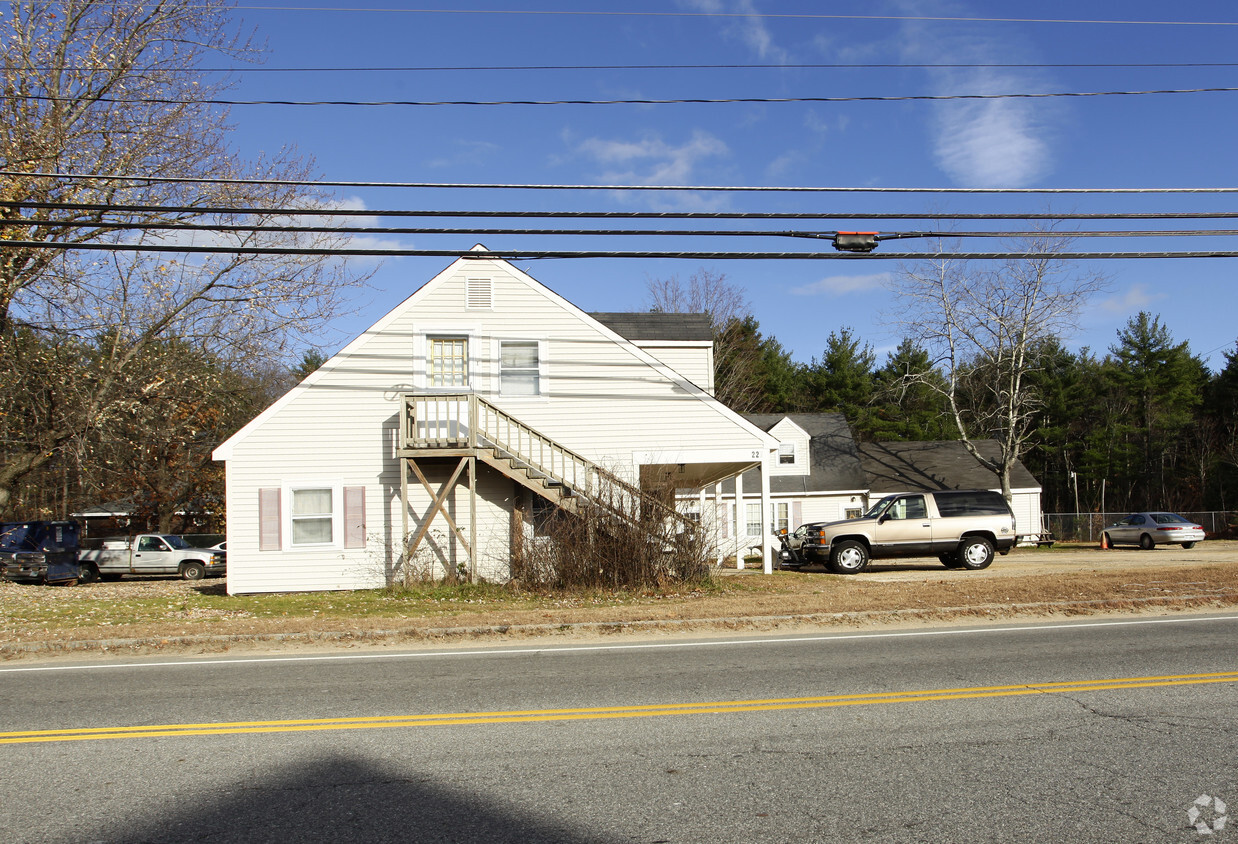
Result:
{"points": [[990, 143], [984, 143], [842, 285], [651, 160], [1137, 298], [740, 20], [467, 152]]}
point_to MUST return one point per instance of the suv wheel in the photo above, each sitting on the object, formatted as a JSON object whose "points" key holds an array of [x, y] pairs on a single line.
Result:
{"points": [[848, 557], [975, 552]]}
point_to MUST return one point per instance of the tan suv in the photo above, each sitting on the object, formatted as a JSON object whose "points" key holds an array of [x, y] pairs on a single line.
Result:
{"points": [[961, 527]]}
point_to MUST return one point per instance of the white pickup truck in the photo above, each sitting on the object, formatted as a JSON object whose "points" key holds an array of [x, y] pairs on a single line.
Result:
{"points": [[150, 553]]}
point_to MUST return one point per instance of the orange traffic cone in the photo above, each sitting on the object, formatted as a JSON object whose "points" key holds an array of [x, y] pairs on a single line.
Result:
{"points": [[1104, 542]]}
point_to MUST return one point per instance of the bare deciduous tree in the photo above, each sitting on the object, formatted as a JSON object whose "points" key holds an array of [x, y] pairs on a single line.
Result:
{"points": [[986, 328], [92, 90], [738, 346]]}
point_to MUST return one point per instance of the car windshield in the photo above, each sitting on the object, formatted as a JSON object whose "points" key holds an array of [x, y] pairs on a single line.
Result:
{"points": [[176, 542], [876, 509], [13, 537], [1167, 518]]}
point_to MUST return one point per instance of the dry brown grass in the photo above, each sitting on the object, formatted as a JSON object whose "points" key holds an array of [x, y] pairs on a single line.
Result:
{"points": [[155, 615]]}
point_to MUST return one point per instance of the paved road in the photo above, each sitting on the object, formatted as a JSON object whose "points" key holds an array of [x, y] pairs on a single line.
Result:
{"points": [[1095, 732]]}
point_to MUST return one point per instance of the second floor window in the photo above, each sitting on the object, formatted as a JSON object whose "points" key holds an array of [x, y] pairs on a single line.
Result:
{"points": [[449, 362], [518, 368], [786, 454]]}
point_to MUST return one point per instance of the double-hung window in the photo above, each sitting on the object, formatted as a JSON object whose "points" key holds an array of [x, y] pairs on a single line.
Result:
{"points": [[312, 516], [449, 362], [786, 454], [754, 519], [519, 373]]}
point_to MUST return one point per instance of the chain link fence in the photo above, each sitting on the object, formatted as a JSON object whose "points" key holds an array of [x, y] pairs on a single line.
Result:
{"points": [[1087, 527]]}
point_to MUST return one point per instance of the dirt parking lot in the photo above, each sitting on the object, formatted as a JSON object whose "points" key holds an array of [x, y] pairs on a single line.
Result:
{"points": [[1061, 560]]}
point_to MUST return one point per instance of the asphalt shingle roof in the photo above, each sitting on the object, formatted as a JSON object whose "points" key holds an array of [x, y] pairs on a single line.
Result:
{"points": [[900, 466], [650, 325]]}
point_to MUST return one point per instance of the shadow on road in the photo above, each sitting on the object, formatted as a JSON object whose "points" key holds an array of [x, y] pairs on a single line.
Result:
{"points": [[340, 799]]}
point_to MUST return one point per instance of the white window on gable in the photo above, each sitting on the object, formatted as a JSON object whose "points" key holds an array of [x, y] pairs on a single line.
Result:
{"points": [[313, 516], [448, 361], [519, 368], [786, 454]]}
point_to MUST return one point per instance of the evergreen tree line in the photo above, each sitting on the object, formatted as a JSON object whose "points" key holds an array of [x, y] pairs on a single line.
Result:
{"points": [[1145, 425]]}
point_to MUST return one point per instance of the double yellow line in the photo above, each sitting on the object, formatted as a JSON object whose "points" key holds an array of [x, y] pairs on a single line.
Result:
{"points": [[645, 711]]}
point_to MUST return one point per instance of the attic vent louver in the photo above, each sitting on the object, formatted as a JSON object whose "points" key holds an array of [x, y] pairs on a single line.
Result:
{"points": [[479, 294]]}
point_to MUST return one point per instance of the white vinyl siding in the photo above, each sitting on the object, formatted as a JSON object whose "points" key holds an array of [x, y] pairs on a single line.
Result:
{"points": [[694, 361], [341, 425], [793, 444]]}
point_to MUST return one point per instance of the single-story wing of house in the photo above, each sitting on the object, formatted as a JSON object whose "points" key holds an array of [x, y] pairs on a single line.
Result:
{"points": [[822, 474], [434, 434]]}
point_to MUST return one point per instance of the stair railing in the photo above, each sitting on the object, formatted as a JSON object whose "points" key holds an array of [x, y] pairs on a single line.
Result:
{"points": [[468, 421]]}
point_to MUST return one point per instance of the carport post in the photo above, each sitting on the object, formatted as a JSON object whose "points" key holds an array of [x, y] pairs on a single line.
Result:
{"points": [[767, 519], [719, 513], [740, 519]]}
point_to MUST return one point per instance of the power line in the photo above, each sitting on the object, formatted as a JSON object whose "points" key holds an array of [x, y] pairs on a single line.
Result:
{"points": [[624, 215], [532, 255], [633, 101], [633, 67], [718, 14], [261, 228], [568, 187]]}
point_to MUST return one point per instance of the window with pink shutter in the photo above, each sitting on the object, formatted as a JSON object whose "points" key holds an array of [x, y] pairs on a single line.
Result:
{"points": [[354, 517], [269, 520]]}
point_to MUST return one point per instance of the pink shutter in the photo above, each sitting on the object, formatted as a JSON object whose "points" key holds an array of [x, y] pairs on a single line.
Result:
{"points": [[354, 517], [269, 520], [797, 514]]}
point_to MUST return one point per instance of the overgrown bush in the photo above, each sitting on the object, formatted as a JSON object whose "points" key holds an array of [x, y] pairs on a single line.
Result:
{"points": [[618, 540]]}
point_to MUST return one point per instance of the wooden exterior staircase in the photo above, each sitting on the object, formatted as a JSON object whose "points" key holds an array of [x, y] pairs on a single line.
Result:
{"points": [[469, 427]]}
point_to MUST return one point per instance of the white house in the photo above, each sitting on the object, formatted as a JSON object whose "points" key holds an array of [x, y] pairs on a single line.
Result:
{"points": [[816, 477], [822, 474], [440, 423]]}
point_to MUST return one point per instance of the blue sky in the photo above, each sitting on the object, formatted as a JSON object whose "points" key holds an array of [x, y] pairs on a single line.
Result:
{"points": [[1150, 141]]}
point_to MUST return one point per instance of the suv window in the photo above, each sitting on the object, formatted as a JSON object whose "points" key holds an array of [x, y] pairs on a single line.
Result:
{"points": [[908, 507], [971, 503]]}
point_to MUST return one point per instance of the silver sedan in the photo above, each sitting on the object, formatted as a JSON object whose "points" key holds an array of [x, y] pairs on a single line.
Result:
{"points": [[1147, 530]]}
